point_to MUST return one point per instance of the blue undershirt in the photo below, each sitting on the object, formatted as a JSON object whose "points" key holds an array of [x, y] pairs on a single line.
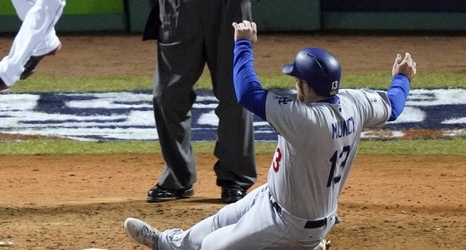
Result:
{"points": [[251, 95], [398, 94]]}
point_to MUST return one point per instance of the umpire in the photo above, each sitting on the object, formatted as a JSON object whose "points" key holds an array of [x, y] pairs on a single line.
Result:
{"points": [[191, 34]]}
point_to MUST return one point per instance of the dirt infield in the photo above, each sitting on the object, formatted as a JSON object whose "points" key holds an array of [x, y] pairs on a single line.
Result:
{"points": [[76, 202], [73, 202]]}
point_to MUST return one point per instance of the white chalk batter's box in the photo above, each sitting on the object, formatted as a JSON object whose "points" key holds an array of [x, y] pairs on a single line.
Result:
{"points": [[128, 115]]}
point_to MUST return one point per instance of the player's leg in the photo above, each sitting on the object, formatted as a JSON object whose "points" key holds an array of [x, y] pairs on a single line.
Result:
{"points": [[263, 227], [192, 238], [50, 40], [49, 44], [250, 223], [234, 148], [22, 7], [180, 63], [35, 26], [225, 217], [270, 235], [260, 228]]}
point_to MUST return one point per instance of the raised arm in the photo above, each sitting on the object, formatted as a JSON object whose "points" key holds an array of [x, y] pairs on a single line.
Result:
{"points": [[403, 71], [249, 92]]}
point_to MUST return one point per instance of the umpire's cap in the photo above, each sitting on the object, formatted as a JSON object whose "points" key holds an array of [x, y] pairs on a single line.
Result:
{"points": [[320, 69]]}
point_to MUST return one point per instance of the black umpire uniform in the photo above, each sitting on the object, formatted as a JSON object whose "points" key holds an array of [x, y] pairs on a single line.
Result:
{"points": [[191, 34]]}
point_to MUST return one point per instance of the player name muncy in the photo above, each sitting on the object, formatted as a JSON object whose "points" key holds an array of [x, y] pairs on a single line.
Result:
{"points": [[343, 128]]}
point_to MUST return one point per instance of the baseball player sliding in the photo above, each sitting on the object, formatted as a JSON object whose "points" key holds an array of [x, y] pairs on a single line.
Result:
{"points": [[35, 39], [319, 134]]}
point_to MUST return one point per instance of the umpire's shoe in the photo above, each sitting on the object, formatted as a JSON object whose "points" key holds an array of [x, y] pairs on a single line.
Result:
{"points": [[142, 232], [232, 194], [33, 61], [159, 194]]}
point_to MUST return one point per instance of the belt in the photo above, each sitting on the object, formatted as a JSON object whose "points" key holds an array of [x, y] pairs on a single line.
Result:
{"points": [[309, 223]]}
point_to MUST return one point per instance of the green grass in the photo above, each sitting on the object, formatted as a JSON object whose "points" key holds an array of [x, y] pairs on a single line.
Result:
{"points": [[453, 146], [380, 80], [101, 84], [82, 84], [421, 81], [40, 83]]}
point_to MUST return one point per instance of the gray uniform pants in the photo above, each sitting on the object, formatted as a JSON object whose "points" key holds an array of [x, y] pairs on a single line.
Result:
{"points": [[194, 33]]}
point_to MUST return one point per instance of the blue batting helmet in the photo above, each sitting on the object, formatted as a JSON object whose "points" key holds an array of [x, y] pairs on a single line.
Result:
{"points": [[320, 69]]}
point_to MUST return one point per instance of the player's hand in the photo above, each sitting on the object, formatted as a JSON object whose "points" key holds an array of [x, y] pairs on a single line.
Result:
{"points": [[245, 30], [405, 66]]}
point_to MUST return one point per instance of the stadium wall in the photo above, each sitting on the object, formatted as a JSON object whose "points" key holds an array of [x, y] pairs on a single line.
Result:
{"points": [[271, 15]]}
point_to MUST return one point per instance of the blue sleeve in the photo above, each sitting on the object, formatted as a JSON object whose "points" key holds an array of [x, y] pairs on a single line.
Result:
{"points": [[398, 94], [249, 92]]}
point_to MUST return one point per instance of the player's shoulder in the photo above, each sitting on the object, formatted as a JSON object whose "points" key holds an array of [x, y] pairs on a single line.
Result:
{"points": [[352, 94], [354, 91], [360, 94]]}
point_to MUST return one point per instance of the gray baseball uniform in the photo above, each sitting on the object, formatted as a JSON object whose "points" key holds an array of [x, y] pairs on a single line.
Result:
{"points": [[317, 146], [297, 206]]}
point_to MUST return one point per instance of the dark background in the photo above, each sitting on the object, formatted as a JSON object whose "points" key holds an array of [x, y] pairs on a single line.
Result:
{"points": [[395, 5]]}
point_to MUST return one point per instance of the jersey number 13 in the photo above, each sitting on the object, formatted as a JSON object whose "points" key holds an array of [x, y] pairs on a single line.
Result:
{"points": [[335, 175]]}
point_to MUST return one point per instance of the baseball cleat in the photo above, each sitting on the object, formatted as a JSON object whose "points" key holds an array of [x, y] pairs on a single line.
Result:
{"points": [[33, 61], [159, 194], [232, 194], [142, 232]]}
